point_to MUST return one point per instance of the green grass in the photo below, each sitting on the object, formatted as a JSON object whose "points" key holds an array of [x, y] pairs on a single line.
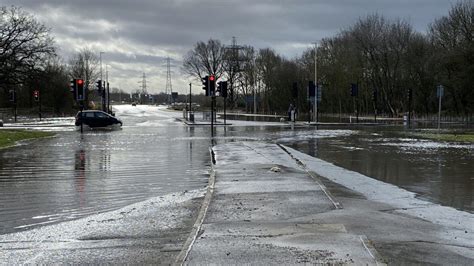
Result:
{"points": [[10, 137], [462, 137]]}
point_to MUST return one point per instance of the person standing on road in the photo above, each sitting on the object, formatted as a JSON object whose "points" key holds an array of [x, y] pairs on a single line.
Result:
{"points": [[289, 111]]}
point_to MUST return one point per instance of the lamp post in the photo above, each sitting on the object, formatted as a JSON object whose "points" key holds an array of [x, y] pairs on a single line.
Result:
{"points": [[100, 58], [107, 86], [102, 81], [316, 82]]}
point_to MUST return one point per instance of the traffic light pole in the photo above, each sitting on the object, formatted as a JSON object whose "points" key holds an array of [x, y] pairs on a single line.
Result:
{"points": [[82, 109], [108, 99], [213, 98], [190, 103], [225, 100], [39, 104], [357, 109]]}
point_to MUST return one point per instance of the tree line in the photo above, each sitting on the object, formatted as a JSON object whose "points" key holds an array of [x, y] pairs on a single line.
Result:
{"points": [[29, 62], [385, 58]]}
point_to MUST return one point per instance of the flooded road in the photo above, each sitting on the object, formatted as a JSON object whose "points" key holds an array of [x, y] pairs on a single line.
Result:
{"points": [[73, 175], [439, 172]]}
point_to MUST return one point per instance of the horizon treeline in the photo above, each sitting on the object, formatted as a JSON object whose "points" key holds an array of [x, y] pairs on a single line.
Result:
{"points": [[386, 58]]}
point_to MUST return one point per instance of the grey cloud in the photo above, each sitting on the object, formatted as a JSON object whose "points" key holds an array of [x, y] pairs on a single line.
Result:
{"points": [[174, 26]]}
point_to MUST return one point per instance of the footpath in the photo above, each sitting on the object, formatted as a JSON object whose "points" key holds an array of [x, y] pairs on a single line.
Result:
{"points": [[262, 212], [269, 204]]}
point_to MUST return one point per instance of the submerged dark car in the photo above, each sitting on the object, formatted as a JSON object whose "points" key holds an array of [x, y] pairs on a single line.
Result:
{"points": [[94, 118]]}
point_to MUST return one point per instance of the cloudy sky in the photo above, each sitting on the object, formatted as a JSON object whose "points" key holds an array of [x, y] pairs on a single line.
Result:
{"points": [[137, 36]]}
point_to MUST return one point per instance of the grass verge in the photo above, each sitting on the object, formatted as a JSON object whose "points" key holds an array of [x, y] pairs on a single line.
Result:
{"points": [[462, 137], [10, 137]]}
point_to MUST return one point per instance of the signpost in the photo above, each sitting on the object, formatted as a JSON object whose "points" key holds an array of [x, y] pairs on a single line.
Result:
{"points": [[439, 94]]}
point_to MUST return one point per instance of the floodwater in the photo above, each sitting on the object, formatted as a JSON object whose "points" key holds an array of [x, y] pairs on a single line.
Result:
{"points": [[73, 175], [439, 172]]}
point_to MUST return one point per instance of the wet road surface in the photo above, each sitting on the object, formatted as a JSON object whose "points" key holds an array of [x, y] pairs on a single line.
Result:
{"points": [[74, 175]]}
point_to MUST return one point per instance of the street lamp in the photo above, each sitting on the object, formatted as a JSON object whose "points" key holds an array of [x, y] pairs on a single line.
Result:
{"points": [[107, 86], [100, 58], [316, 82]]}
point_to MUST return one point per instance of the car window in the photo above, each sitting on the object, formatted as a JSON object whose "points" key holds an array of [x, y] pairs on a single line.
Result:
{"points": [[88, 115], [101, 115]]}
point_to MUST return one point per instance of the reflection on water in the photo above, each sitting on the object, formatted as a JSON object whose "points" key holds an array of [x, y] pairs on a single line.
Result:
{"points": [[437, 172], [75, 175]]}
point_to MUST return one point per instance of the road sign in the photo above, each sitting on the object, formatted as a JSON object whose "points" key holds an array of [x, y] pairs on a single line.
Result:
{"points": [[439, 91], [319, 92]]}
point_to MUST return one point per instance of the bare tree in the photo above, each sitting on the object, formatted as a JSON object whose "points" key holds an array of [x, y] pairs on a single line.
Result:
{"points": [[24, 45], [453, 37], [85, 64], [205, 59]]}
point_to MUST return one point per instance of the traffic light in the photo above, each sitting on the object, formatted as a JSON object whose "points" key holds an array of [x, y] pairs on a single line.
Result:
{"points": [[36, 95], [311, 89], [295, 90], [410, 94], [12, 96], [98, 85], [80, 90], [205, 85], [212, 85], [222, 88], [354, 90], [73, 86]]}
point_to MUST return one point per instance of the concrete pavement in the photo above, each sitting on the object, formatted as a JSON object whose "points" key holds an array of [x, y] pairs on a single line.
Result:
{"points": [[262, 212], [270, 204]]}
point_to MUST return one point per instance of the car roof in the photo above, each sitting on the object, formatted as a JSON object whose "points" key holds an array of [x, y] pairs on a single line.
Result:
{"points": [[91, 111]]}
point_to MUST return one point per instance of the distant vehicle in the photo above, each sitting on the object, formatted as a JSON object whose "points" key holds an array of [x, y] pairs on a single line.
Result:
{"points": [[134, 104], [95, 118]]}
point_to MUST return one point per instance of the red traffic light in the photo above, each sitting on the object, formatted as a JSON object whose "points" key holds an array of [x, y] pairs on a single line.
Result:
{"points": [[211, 78], [80, 81]]}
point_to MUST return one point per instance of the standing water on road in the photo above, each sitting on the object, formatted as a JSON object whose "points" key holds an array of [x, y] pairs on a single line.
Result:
{"points": [[73, 175], [440, 172]]}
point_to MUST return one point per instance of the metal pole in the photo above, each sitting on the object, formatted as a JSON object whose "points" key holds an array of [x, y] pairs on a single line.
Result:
{"points": [[212, 116], [409, 109], [357, 108], [254, 101], [100, 58], [15, 111], [39, 103], [108, 89], [82, 118], [102, 81], [439, 109], [316, 82], [190, 103]]}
